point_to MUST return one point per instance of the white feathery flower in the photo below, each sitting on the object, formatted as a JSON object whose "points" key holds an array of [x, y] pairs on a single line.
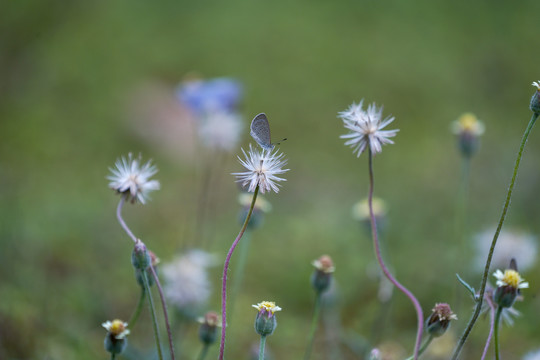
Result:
{"points": [[366, 128], [536, 84], [262, 166], [532, 355], [133, 179], [186, 282]]}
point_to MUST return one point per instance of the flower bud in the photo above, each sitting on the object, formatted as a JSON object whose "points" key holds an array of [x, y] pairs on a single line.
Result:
{"points": [[140, 259], [115, 340], [535, 100], [265, 321], [139, 273], [322, 276], [208, 329], [439, 320], [468, 130]]}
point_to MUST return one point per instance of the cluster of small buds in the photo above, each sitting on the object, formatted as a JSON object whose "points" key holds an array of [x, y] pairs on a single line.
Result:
{"points": [[115, 341], [208, 330], [140, 258], [265, 321], [509, 284], [468, 130], [322, 276], [535, 100], [439, 320], [261, 207]]}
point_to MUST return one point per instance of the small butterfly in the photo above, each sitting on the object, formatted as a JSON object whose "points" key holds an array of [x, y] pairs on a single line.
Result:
{"points": [[260, 132]]}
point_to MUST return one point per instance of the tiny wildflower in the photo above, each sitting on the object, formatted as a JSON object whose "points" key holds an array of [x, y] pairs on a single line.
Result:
{"points": [[131, 178], [508, 285], [439, 320], [366, 128], [468, 130], [322, 276], [115, 341], [360, 210], [535, 100], [265, 321], [209, 324], [263, 167]]}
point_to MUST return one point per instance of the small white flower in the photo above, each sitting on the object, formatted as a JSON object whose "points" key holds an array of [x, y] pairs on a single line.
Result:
{"points": [[130, 178], [262, 166], [510, 278], [269, 307], [220, 130], [366, 128], [536, 84], [117, 328]]}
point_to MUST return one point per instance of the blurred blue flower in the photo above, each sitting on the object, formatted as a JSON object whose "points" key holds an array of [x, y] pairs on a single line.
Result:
{"points": [[209, 96]]}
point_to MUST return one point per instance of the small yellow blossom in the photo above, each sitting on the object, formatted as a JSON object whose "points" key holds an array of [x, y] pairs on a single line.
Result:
{"points": [[267, 306], [510, 278], [468, 123], [117, 328]]}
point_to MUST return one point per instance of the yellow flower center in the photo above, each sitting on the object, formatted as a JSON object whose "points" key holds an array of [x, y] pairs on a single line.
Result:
{"points": [[117, 327], [468, 122], [512, 278]]}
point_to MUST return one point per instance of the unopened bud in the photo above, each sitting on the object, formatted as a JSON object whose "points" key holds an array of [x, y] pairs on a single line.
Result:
{"points": [[208, 329], [535, 100], [439, 320], [140, 259], [322, 276]]}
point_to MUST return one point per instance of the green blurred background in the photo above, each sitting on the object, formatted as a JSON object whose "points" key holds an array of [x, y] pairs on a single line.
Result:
{"points": [[83, 83]]}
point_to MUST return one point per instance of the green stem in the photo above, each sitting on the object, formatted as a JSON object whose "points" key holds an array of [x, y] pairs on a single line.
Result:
{"points": [[478, 308], [423, 348], [497, 318], [204, 351], [239, 271], [314, 322], [153, 312], [135, 316], [113, 356], [461, 213], [261, 347]]}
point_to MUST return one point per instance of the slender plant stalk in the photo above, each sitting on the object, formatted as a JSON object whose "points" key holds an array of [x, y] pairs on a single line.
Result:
{"points": [[424, 347], [154, 275], [476, 313], [113, 356], [153, 312], [403, 289], [497, 322], [461, 206], [491, 325], [135, 316], [239, 270], [204, 351], [225, 270], [261, 347], [165, 312], [314, 322]]}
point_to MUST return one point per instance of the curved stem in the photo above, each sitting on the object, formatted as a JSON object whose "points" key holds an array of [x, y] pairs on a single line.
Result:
{"points": [[314, 322], [423, 348], [135, 316], [225, 270], [497, 322], [239, 270], [204, 351], [153, 312], [403, 289], [121, 220], [261, 347], [476, 313], [165, 313], [491, 326]]}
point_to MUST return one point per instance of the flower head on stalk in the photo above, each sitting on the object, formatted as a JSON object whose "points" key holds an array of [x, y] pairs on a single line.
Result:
{"points": [[468, 130], [440, 318], [366, 128], [115, 341], [265, 321], [262, 167], [535, 100], [131, 178], [509, 283]]}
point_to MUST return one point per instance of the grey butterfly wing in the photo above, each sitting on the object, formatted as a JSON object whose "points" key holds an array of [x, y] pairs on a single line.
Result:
{"points": [[260, 131]]}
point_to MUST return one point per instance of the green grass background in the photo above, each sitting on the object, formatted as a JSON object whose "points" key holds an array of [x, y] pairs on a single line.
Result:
{"points": [[68, 74]]}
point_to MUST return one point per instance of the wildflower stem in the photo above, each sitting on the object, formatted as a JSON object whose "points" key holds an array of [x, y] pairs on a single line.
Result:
{"points": [[135, 316], [153, 312], [476, 313], [497, 322], [121, 220], [113, 356], [491, 326], [165, 312], [261, 347], [204, 351], [314, 322], [239, 270], [225, 270], [385, 270], [423, 348]]}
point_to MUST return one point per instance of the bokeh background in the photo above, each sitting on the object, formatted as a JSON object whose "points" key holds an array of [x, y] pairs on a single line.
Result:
{"points": [[83, 83]]}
